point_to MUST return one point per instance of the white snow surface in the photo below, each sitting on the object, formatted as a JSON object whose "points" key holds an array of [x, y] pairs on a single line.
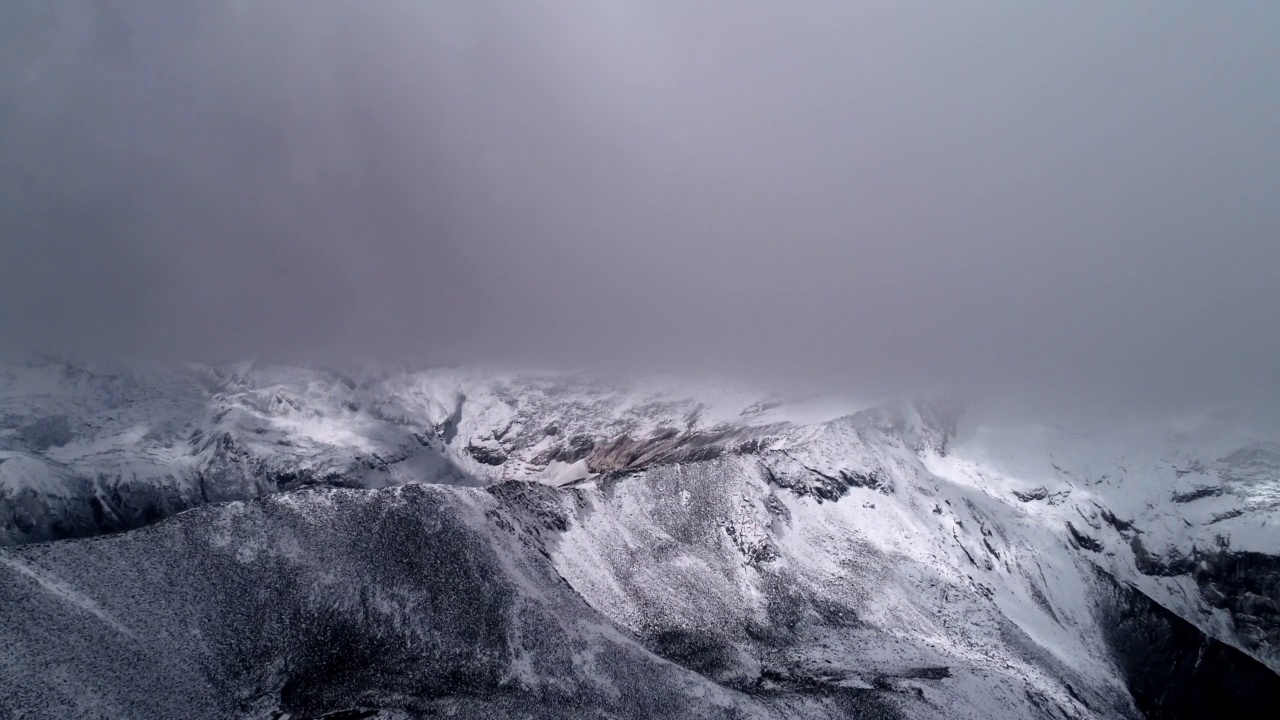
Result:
{"points": [[968, 552]]}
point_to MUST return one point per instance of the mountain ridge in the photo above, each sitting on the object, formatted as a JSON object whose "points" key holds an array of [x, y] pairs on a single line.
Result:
{"points": [[793, 552]]}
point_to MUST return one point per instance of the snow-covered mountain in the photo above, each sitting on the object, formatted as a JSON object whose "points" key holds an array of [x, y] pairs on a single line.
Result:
{"points": [[86, 449], [488, 542]]}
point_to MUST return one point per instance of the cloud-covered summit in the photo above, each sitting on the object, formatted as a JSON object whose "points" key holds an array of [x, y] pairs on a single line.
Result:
{"points": [[999, 195]]}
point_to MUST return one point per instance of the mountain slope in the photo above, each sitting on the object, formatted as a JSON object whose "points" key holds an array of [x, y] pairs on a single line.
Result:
{"points": [[772, 556]]}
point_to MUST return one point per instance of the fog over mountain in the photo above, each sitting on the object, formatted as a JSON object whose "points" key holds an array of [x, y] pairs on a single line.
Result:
{"points": [[639, 359], [998, 195]]}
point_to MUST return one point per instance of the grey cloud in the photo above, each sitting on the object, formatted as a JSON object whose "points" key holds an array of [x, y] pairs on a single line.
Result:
{"points": [[1079, 199]]}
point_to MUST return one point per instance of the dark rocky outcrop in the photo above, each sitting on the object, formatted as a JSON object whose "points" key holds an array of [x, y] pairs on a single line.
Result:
{"points": [[1245, 584], [830, 488], [1172, 668], [670, 445], [1199, 493], [1039, 493], [486, 455], [1082, 540]]}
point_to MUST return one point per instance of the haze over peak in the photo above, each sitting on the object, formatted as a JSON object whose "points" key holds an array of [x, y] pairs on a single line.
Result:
{"points": [[1057, 201]]}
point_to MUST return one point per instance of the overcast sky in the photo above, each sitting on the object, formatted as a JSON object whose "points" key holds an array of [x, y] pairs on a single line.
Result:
{"points": [[1077, 196]]}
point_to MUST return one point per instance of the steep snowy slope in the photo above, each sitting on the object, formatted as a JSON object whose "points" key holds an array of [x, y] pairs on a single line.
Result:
{"points": [[412, 601], [772, 554], [88, 449], [1187, 510], [692, 590]]}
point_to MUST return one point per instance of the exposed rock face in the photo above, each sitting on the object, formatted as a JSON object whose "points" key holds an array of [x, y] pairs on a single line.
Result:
{"points": [[1246, 585], [1173, 669]]}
